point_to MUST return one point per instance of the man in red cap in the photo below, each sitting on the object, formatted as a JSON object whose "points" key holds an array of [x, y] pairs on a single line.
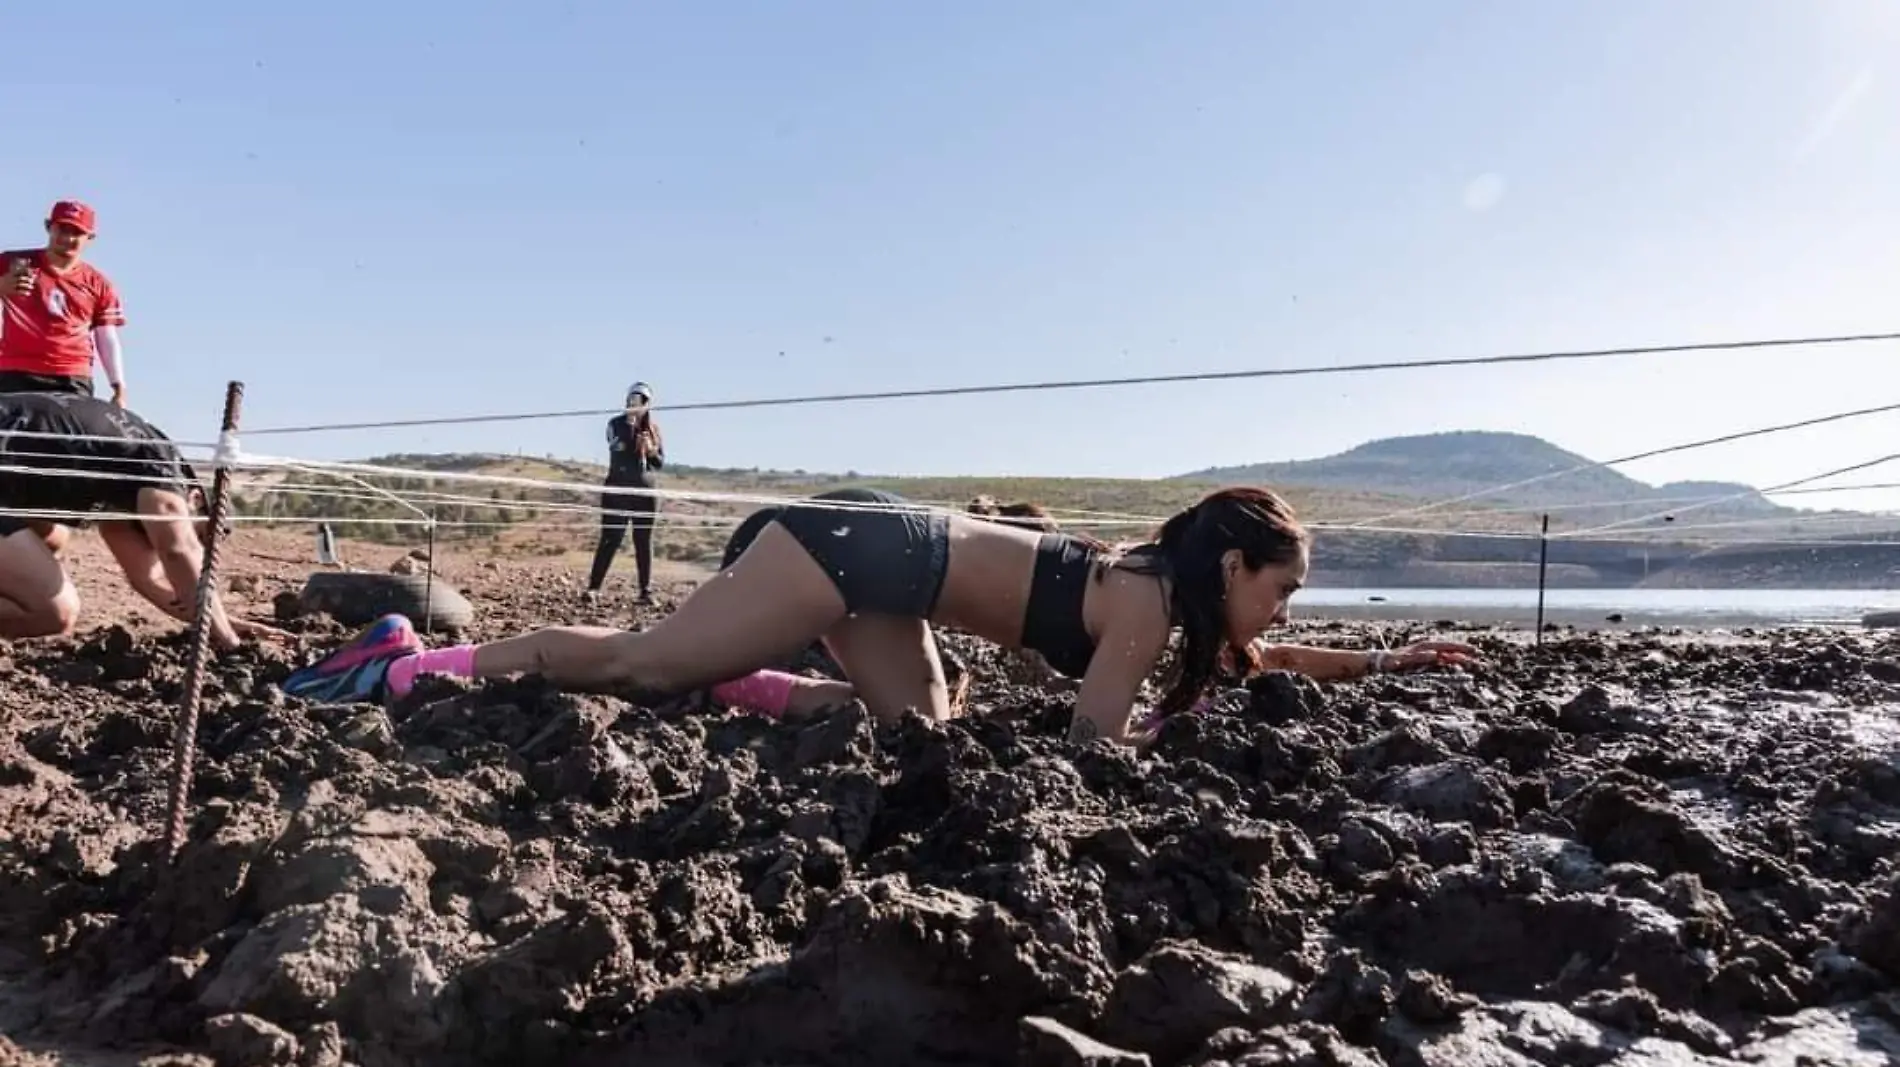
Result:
{"points": [[57, 313]]}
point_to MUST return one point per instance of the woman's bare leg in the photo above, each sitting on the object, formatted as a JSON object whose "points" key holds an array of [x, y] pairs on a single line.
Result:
{"points": [[893, 664], [36, 597], [773, 601], [812, 695]]}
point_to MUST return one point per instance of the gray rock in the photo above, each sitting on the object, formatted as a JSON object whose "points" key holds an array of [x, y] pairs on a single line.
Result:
{"points": [[1459, 790], [332, 961], [1854, 1035], [1181, 993], [1048, 1043], [239, 1040]]}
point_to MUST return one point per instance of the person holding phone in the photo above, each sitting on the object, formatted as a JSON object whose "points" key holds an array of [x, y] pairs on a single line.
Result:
{"points": [[635, 451], [58, 313]]}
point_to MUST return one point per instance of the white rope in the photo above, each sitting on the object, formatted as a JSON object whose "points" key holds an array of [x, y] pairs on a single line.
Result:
{"points": [[1800, 521], [1686, 446], [1570, 534], [111, 439]]}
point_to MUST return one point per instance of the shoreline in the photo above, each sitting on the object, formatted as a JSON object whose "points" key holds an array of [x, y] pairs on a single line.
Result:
{"points": [[1582, 620]]}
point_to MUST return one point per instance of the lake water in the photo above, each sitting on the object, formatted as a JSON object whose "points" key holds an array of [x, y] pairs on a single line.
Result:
{"points": [[1580, 607]]}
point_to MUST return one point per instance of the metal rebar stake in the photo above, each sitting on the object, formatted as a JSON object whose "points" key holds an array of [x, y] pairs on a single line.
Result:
{"points": [[185, 739], [1543, 570], [428, 585]]}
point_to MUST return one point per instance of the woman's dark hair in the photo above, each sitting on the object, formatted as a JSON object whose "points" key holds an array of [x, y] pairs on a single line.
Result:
{"points": [[1030, 516], [1027, 515], [1187, 551]]}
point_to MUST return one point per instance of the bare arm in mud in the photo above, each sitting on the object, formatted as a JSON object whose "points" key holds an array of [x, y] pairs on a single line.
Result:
{"points": [[1105, 704], [1337, 664]]}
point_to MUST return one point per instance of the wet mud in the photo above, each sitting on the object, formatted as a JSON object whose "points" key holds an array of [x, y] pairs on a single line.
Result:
{"points": [[1612, 850]]}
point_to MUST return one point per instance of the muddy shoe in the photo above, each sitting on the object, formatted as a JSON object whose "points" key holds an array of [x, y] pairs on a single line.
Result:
{"points": [[354, 673]]}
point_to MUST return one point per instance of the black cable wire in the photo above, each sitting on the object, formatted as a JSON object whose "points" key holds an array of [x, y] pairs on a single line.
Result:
{"points": [[1103, 383]]}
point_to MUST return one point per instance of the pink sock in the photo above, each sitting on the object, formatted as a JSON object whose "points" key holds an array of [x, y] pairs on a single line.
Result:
{"points": [[456, 660], [762, 692]]}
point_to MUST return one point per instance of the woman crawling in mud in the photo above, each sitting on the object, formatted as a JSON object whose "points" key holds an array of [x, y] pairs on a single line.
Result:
{"points": [[107, 460], [869, 573]]}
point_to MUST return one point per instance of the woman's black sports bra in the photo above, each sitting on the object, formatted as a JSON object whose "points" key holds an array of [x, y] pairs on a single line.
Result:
{"points": [[1052, 621]]}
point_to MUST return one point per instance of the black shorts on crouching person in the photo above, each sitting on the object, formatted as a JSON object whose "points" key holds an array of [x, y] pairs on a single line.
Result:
{"points": [[19, 381], [883, 562]]}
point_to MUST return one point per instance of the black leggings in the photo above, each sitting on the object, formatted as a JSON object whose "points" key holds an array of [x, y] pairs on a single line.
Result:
{"points": [[613, 529]]}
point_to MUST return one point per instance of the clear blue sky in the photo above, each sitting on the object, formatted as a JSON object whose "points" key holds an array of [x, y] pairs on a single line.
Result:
{"points": [[428, 208]]}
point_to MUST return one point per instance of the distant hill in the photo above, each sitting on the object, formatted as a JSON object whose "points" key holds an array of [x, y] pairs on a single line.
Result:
{"points": [[1440, 465]]}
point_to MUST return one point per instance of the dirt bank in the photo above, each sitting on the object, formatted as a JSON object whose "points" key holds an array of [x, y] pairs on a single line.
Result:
{"points": [[1607, 850]]}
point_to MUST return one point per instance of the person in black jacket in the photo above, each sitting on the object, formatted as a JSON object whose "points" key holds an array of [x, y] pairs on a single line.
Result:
{"points": [[634, 452]]}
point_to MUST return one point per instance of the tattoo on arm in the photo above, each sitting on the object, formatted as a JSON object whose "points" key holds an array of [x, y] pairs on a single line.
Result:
{"points": [[1082, 730]]}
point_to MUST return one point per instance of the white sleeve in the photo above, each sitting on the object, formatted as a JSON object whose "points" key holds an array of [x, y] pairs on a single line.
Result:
{"points": [[105, 339]]}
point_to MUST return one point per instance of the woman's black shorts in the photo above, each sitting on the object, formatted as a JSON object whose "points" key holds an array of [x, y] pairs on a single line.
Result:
{"points": [[883, 562]]}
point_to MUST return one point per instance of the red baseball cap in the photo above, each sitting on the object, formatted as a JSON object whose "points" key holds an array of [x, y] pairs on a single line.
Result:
{"points": [[75, 214]]}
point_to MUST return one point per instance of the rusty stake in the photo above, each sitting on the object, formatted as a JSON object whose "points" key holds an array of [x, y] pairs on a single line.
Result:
{"points": [[185, 740]]}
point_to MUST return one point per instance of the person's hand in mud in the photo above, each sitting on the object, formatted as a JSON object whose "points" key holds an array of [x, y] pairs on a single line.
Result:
{"points": [[1426, 655], [248, 630], [1341, 664]]}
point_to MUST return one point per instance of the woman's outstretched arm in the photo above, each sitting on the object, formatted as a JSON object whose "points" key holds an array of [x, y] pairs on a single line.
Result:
{"points": [[1340, 664]]}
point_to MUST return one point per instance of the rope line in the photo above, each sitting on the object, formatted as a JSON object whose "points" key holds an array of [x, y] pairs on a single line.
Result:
{"points": [[64, 515], [364, 491], [723, 521], [704, 495], [1807, 522], [1104, 383], [1570, 534], [370, 492], [1082, 516], [430, 496], [1855, 487], [1605, 505]]}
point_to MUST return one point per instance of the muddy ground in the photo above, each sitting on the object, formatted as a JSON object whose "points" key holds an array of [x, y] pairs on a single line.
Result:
{"points": [[1612, 850]]}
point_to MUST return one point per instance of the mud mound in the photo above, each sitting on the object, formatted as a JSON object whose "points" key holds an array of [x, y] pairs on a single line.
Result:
{"points": [[1629, 851]]}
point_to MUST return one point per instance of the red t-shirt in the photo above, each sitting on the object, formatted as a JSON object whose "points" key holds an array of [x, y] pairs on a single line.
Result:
{"points": [[49, 331]]}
